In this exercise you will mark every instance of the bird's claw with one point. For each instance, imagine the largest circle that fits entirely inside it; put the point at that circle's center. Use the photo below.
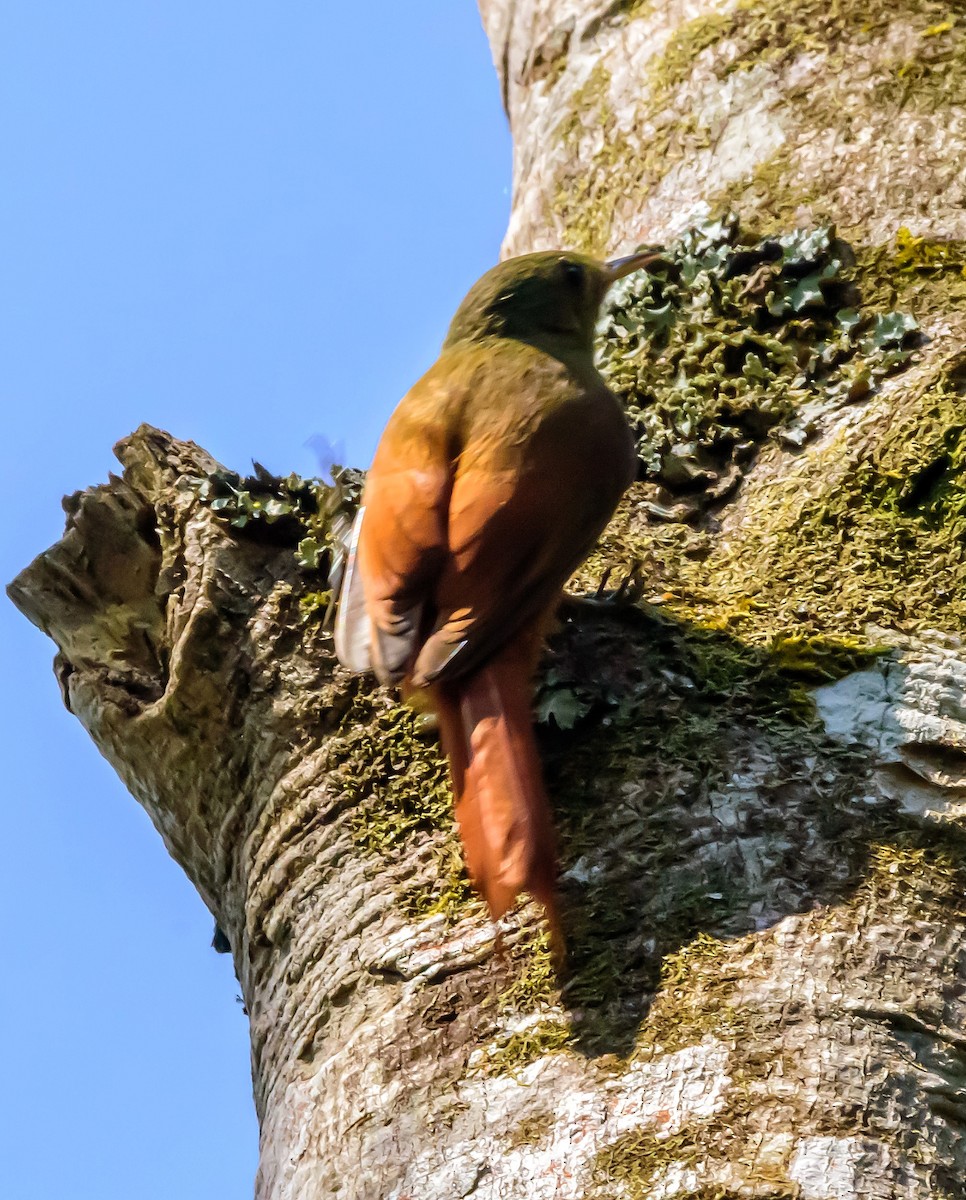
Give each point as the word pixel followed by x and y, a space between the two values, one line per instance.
pixel 629 591
pixel 631 588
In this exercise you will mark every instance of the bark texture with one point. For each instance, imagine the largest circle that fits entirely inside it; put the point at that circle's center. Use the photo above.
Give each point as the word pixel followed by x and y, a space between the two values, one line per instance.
pixel 632 117
pixel 759 768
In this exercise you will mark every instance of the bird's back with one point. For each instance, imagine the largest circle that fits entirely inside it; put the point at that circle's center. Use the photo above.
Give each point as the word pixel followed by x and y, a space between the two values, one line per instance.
pixel 546 454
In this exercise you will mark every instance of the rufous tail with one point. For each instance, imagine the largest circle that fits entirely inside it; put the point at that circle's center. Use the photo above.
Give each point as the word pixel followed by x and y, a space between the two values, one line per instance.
pixel 502 809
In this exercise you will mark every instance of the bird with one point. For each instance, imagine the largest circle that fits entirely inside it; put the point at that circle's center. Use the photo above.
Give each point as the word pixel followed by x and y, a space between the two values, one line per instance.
pixel 491 483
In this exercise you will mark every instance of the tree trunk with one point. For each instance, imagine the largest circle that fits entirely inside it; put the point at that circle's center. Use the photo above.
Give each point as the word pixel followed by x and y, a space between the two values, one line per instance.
pixel 758 765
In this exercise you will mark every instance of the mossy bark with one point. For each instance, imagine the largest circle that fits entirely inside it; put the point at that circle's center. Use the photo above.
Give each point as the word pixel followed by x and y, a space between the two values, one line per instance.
pixel 630 120
pixel 757 760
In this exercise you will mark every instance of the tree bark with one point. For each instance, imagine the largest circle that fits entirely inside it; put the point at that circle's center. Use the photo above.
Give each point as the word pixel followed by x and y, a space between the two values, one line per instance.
pixel 759 766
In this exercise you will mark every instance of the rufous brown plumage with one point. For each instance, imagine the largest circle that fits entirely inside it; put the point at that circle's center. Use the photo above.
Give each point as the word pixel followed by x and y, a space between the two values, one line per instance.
pixel 492 481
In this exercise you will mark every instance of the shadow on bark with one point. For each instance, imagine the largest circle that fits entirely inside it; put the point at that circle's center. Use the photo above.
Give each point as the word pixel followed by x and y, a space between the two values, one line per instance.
pixel 699 800
pixel 697 795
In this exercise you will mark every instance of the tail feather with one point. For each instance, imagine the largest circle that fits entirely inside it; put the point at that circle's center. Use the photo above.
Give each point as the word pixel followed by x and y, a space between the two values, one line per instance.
pixel 502 809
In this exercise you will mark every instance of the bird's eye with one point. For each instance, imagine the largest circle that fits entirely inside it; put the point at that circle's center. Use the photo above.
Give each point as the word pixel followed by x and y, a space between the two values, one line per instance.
pixel 574 274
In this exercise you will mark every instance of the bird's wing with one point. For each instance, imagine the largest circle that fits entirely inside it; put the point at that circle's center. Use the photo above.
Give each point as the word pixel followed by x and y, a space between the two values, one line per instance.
pixel 516 535
pixel 479 504
pixel 401 538
pixel 353 632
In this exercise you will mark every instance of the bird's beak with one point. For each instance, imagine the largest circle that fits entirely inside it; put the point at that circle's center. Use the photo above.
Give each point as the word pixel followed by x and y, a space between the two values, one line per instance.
pixel 617 268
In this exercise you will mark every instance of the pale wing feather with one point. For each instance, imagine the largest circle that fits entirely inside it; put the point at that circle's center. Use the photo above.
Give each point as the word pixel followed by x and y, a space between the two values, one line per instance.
pixel 353 628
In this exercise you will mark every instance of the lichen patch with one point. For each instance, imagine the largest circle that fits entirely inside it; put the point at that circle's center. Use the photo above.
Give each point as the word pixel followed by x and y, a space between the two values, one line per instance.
pixel 587 1111
pixel 826 1168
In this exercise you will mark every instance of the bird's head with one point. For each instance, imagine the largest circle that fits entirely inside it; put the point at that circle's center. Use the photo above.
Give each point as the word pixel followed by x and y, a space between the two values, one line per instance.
pixel 550 299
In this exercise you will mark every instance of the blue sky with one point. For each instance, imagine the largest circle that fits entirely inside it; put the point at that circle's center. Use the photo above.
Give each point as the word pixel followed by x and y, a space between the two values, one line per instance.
pixel 248 224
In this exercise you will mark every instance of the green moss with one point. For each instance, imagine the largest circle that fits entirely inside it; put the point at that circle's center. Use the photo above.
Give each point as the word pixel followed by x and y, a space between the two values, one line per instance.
pixel 585 199
pixel 820 658
pixel 920 254
pixel 819 555
pixel 716 1144
pixel 308 514
pixel 396 788
pixel 534 981
pixel 533 987
pixel 676 62
pixel 532 1130
pixel 694 1000
pixel 582 206
pixel 675 712
pixel 778 190
pixel 893 512
pixel 927 275
pixel 918 873
pixel 757 31
pixel 315 604
pixel 527 1046
pixel 751 34
pixel 726 340
pixel 638 1159
pixel 934 76
pixel 909 875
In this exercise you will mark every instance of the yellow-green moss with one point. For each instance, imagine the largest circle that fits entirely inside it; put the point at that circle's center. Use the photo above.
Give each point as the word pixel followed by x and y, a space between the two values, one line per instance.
pixel 821 658
pixel 396 788
pixel 912 874
pixel 881 543
pixel 587 194
pixel 534 981
pixel 527 1046
pixel 750 34
pixel 532 1130
pixel 638 1159
pixel 582 206
pixel 927 275
pixel 694 999
pixel 679 709
pixel 533 987
pixel 314 604
pixel 909 875
pixel 934 76
pixel 822 552
pixel 916 872
pixel 922 254
pixel 758 31
pixel 777 191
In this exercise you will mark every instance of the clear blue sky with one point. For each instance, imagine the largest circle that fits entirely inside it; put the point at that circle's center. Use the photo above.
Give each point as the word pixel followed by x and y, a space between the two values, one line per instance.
pixel 248 224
